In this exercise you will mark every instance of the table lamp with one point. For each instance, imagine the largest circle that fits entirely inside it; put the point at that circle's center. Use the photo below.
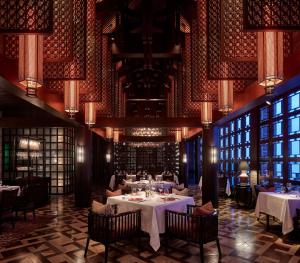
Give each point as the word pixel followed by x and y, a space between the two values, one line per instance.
pixel 243 168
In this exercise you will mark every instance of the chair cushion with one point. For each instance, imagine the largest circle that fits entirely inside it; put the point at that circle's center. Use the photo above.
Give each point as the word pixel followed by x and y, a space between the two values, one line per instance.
pixel 114 193
pixel 101 209
pixel 184 192
pixel 206 209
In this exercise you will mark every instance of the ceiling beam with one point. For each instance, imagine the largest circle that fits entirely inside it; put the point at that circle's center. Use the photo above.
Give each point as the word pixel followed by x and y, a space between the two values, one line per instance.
pixel 15 122
pixel 147 122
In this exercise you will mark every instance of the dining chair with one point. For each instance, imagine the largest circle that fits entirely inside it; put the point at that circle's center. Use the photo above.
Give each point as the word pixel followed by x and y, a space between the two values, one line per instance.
pixel 25 202
pixel 199 229
pixel 7 202
pixel 108 229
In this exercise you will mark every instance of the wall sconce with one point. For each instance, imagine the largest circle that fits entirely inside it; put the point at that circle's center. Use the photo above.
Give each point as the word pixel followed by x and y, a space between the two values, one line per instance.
pixel 80 154
pixel 213 154
pixel 108 157
pixel 184 158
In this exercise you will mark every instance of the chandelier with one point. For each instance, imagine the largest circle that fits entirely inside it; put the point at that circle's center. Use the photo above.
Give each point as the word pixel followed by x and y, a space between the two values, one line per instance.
pixel 31 63
pixel 146 132
pixel 270 59
pixel 225 96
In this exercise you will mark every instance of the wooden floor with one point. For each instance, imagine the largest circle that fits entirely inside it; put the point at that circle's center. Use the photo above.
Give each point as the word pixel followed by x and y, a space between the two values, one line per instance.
pixel 243 239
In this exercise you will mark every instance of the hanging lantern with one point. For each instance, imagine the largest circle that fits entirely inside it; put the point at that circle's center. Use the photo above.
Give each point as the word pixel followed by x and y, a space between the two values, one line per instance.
pixel 31 63
pixel 225 96
pixel 270 59
pixel 206 113
pixel 185 132
pixel 116 136
pixel 71 96
pixel 109 132
pixel 178 136
pixel 90 113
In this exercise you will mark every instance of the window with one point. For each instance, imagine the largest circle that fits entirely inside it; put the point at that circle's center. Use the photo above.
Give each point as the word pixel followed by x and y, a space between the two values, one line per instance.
pixel 277 128
pixel 278 149
pixel 264 150
pixel 294 171
pixel 294 101
pixel 277 108
pixel 264 113
pixel 264 132
pixel 294 124
pixel 277 170
pixel 294 147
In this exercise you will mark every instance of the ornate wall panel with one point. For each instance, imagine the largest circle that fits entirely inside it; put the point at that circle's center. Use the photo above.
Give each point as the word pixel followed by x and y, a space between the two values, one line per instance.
pixel 75 67
pixel 271 14
pixel 58 45
pixel 218 69
pixel 235 44
pixel 26 16
pixel 11 46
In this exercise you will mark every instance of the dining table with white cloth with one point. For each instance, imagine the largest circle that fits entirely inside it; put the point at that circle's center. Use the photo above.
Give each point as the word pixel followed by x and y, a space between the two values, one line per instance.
pixel 153 211
pixel 156 184
pixel 280 205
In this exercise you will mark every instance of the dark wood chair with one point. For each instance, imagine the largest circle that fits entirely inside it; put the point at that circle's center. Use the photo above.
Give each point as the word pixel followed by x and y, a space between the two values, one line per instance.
pixel 199 229
pixel 8 199
pixel 108 229
pixel 25 202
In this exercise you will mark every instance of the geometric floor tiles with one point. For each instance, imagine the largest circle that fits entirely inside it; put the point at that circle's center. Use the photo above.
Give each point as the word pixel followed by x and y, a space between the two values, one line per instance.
pixel 242 238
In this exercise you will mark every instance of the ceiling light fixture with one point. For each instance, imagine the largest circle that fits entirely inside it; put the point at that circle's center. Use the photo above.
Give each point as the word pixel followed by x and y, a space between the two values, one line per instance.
pixel 206 113
pixel 270 59
pixel 71 97
pixel 225 96
pixel 90 113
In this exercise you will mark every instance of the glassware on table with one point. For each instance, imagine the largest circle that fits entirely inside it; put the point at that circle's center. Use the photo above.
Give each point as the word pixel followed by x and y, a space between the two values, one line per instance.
pixel 160 188
pixel 166 191
pixel 133 191
pixel 139 187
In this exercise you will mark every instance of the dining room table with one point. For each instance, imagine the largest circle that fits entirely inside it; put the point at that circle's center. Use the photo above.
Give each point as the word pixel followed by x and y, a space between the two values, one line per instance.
pixel 280 205
pixel 152 210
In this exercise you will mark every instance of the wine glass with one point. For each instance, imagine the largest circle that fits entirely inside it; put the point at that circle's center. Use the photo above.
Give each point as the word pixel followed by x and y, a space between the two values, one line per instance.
pixel 166 191
pixel 140 187
pixel 133 191
pixel 160 189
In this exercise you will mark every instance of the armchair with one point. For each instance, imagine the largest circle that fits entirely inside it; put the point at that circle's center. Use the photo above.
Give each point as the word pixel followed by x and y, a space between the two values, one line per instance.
pixel 199 229
pixel 109 229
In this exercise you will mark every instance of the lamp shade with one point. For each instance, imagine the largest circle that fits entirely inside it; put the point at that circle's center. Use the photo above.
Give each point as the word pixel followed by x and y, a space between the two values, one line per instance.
pixel 90 113
pixel 225 96
pixel 116 136
pixel 178 136
pixel 31 62
pixel 243 166
pixel 270 59
pixel 185 132
pixel 109 132
pixel 206 113
pixel 71 97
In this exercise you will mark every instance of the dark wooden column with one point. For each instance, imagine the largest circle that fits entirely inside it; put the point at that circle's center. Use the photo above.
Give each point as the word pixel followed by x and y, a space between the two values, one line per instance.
pixel 83 177
pixel 209 180
pixel 182 166
pixel 254 139
pixel 109 165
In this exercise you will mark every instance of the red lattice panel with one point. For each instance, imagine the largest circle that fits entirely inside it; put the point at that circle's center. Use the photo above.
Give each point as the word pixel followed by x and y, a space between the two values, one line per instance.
pixel 74 68
pixel 271 14
pixel 236 45
pixel 58 45
pixel 26 16
pixel 11 46
pixel 218 69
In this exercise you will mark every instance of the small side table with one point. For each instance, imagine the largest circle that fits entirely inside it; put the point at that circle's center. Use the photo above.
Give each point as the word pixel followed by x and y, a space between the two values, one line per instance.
pixel 243 195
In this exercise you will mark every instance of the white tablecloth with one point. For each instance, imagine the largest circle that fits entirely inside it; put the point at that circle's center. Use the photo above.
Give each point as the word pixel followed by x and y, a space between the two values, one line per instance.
pixel 165 184
pixel 282 206
pixel 153 213
pixel 10 187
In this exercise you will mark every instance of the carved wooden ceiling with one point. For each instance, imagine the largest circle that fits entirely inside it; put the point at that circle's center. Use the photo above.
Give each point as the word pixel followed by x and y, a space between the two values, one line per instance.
pixel 146 58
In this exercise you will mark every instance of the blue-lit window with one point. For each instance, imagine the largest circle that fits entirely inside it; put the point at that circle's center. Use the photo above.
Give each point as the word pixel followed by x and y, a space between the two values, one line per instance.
pixel 264 114
pixel 239 153
pixel 294 101
pixel 227 167
pixel 294 147
pixel 264 132
pixel 221 155
pixel 278 149
pixel 247 152
pixel 294 171
pixel 263 168
pixel 232 140
pixel 277 128
pixel 227 154
pixel 221 132
pixel 221 143
pixel 277 170
pixel 226 130
pixel 294 124
pixel 232 126
pixel 247 137
pixel 232 166
pixel 239 138
pixel 232 153
pixel 264 150
pixel 239 123
pixel 247 121
pixel 226 141
pixel 222 167
pixel 277 108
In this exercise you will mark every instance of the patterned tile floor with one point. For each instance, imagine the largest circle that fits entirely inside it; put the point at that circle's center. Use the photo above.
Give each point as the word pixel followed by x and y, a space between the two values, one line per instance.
pixel 242 237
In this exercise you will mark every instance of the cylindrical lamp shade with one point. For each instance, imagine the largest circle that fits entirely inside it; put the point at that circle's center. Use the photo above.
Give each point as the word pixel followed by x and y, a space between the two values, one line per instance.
pixel 31 63
pixel 206 113
pixel 71 97
pixel 109 132
pixel 185 132
pixel 178 136
pixel 116 136
pixel 270 59
pixel 225 96
pixel 90 113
